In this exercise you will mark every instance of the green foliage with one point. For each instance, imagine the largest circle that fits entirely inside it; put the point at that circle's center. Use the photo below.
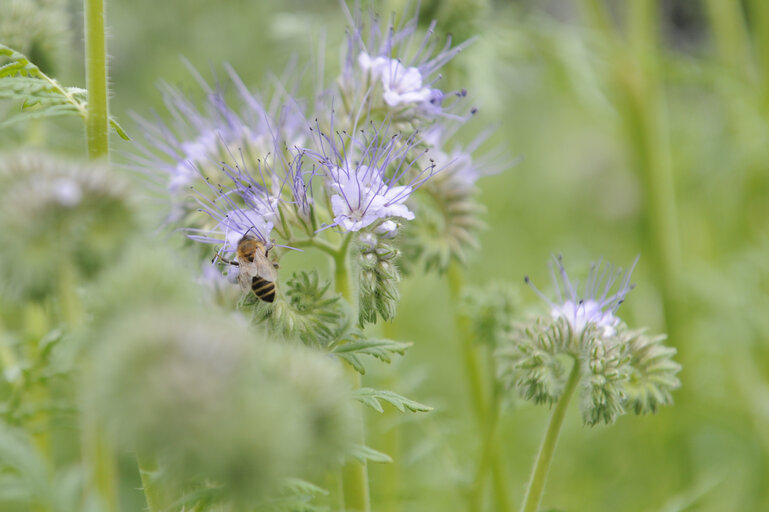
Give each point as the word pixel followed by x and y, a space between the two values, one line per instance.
pixel 366 453
pixel 38 28
pixel 42 96
pixel 355 344
pixel 374 398
pixel 63 219
pixel 310 311
pixel 214 402
pixel 488 311
pixel 294 495
pixel 28 483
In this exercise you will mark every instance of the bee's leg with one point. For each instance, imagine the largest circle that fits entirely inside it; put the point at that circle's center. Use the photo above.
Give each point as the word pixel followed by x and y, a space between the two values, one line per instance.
pixel 222 258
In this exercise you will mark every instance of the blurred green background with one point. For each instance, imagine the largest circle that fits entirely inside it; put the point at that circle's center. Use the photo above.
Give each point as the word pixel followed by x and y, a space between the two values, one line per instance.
pixel 644 129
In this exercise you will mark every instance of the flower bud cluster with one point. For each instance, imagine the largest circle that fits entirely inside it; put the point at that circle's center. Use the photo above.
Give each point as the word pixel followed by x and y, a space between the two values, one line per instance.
pixel 57 217
pixel 214 401
pixel 309 312
pixel 378 293
pixel 488 311
pixel 620 369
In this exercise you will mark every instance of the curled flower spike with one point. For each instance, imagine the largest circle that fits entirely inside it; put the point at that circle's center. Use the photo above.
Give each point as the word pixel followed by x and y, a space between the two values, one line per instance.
pixel 614 363
pixel 449 210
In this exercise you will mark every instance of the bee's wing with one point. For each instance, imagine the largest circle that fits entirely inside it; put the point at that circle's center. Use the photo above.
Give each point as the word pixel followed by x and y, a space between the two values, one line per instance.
pixel 246 272
pixel 265 269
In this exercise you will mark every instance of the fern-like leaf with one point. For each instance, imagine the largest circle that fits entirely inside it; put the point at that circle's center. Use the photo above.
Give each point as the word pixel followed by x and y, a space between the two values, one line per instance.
pixel 374 398
pixel 354 345
pixel 366 453
pixel 41 95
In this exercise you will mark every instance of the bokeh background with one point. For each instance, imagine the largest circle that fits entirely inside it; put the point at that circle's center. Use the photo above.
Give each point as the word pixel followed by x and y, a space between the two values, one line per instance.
pixel 643 128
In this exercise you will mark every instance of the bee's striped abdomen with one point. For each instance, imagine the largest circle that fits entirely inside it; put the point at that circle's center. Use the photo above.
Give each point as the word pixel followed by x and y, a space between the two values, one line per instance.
pixel 263 288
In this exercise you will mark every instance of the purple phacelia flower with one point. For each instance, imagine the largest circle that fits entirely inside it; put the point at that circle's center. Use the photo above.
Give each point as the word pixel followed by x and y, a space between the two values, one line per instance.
pixel 194 144
pixel 368 178
pixel 405 64
pixel 362 197
pixel 596 305
pixel 401 85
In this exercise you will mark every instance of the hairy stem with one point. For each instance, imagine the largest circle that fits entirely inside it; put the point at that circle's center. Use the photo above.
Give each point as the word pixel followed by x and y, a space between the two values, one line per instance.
pixel 97 117
pixel 148 469
pixel 102 467
pixel 536 485
pixel 355 486
pixel 483 408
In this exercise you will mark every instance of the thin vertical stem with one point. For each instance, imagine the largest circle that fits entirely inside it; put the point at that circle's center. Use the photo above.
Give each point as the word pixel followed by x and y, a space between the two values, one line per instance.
pixel 645 113
pixel 148 469
pixel 390 484
pixel 355 485
pixel 542 464
pixel 102 467
pixel 484 408
pixel 727 22
pixel 97 116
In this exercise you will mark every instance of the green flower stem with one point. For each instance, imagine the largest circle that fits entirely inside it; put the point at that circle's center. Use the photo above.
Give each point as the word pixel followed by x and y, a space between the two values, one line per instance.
pixel 730 32
pixel 97 117
pixel 355 486
pixel 638 96
pixel 390 484
pixel 542 464
pixel 69 302
pixel 318 244
pixel 102 467
pixel 148 470
pixel 483 408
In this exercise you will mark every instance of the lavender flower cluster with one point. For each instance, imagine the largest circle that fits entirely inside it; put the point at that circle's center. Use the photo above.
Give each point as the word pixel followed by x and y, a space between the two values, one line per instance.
pixel 359 159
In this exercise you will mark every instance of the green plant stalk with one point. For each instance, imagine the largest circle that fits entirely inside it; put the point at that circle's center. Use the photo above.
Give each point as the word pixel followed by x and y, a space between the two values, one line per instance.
pixel 391 443
pixel 638 97
pixel 482 407
pixel 97 116
pixel 355 485
pixel 645 113
pixel 730 33
pixel 102 467
pixel 148 469
pixel 536 486
pixel 759 10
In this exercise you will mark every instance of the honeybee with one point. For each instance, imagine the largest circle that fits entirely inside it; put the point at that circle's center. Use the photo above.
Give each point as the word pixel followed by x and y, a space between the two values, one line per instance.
pixel 255 271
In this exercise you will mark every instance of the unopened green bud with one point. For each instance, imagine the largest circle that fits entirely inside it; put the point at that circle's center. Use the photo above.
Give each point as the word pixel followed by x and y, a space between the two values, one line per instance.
pixel 489 311
pixel 604 383
pixel 311 312
pixel 378 278
pixel 211 401
pixel 59 215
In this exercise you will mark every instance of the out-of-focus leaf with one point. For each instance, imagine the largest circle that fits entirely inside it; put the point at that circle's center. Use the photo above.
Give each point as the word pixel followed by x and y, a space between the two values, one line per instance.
pixel 364 453
pixel 373 398
pixel 42 96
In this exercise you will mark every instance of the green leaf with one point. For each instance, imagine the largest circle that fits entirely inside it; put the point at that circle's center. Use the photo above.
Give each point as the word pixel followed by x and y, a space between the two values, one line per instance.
pixel 373 398
pixel 364 453
pixel 350 349
pixel 41 95
pixel 299 486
